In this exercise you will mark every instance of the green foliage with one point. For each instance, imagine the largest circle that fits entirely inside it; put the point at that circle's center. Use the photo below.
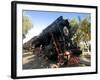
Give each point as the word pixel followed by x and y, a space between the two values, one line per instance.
pixel 26 25
pixel 86 29
pixel 74 26
pixel 74 22
pixel 83 32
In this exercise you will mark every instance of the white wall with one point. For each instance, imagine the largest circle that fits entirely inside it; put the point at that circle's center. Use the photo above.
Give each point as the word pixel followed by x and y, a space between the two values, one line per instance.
pixel 5 40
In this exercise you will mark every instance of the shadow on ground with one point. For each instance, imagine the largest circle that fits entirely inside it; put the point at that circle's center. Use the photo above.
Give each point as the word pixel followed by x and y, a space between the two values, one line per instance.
pixel 32 61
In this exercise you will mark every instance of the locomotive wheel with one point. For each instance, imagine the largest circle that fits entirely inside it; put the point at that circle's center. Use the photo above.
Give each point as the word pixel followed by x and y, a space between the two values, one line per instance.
pixel 54 66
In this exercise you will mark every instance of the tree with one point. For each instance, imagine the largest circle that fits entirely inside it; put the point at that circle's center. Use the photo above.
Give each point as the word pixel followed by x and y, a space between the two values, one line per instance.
pixel 74 26
pixel 26 25
pixel 83 33
pixel 74 22
pixel 86 29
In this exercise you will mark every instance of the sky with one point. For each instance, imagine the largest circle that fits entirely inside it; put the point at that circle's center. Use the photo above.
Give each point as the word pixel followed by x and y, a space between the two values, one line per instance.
pixel 42 19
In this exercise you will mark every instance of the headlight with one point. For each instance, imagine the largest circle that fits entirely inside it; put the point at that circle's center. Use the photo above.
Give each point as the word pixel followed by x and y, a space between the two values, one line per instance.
pixel 66 31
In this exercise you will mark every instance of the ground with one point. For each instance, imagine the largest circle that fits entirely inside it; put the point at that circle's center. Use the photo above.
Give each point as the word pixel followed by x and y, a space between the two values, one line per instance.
pixel 32 61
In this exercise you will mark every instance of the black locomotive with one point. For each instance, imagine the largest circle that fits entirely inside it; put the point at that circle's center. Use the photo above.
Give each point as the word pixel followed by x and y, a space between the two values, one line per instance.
pixel 56 41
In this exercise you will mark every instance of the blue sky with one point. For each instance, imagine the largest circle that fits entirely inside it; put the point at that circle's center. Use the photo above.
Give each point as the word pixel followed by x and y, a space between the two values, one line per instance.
pixel 41 19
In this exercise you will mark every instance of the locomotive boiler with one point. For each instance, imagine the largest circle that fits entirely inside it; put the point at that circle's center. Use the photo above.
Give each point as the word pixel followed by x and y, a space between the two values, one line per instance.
pixel 55 41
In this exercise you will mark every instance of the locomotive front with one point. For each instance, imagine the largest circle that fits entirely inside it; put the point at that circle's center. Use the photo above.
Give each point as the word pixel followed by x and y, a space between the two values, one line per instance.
pixel 55 42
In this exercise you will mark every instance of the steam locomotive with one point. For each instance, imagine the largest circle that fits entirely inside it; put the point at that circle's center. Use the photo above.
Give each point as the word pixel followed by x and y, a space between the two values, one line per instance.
pixel 56 42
